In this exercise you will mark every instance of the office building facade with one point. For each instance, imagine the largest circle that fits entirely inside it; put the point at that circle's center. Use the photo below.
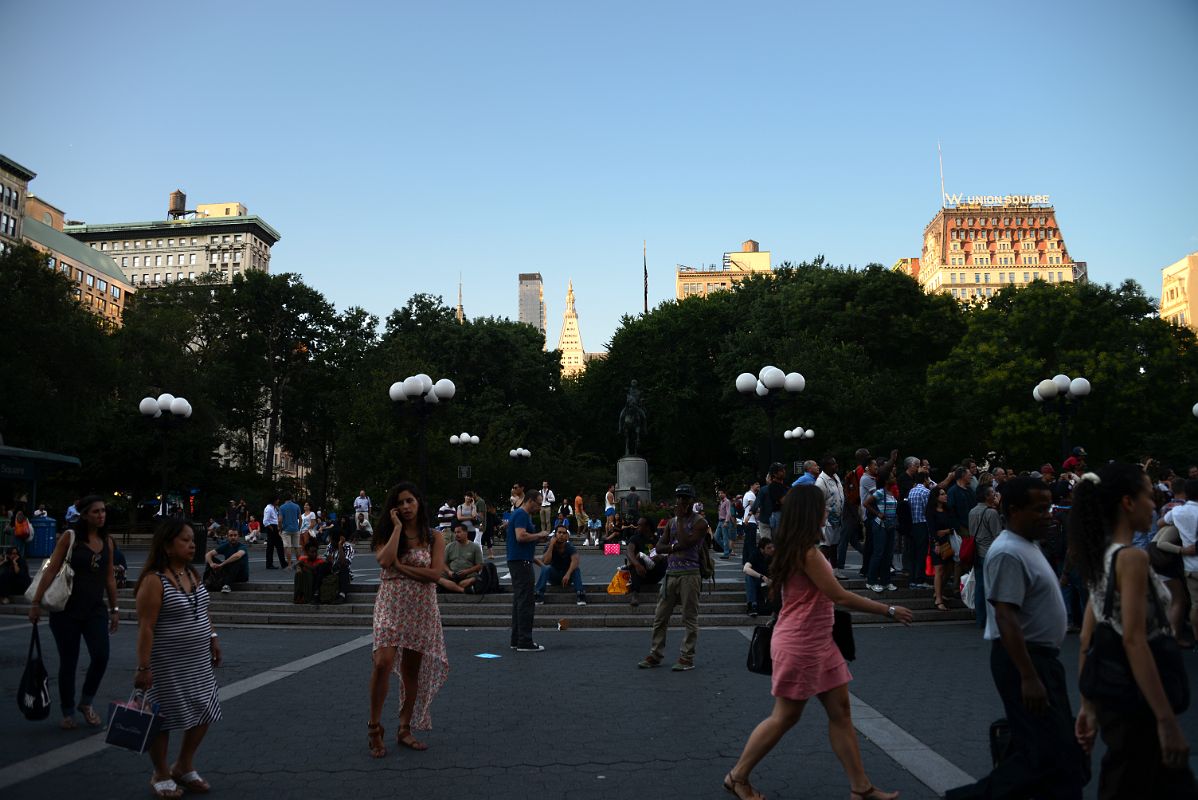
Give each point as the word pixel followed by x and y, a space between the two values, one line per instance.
pixel 1177 304
pixel 221 239
pixel 736 267
pixel 977 245
pixel 531 300
pixel 14 188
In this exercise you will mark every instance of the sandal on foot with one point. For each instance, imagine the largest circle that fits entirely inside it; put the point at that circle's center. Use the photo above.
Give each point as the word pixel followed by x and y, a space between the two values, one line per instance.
pixel 68 724
pixel 191 781
pixel 405 739
pixel 731 784
pixel 90 716
pixel 873 793
pixel 374 739
pixel 165 788
pixel 941 606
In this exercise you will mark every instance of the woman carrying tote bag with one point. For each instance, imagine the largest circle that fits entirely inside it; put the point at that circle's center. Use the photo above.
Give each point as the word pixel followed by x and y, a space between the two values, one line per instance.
pixel 1147 751
pixel 87 616
pixel 806 661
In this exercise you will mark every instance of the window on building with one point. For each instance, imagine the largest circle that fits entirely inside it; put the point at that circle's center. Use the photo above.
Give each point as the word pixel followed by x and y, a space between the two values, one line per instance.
pixel 191 259
pixel 160 243
pixel 103 245
pixel 158 261
pixel 977 277
pixel 1027 277
pixel 145 278
pixel 91 281
pixel 952 278
pixel 954 292
pixel 237 259
pixel 170 260
pixel 101 285
pixel 157 277
pixel 191 276
pixel 166 277
pixel 116 292
pixel 225 256
pixel 214 239
pixel 170 242
pixel 226 239
pixel 215 257
pixel 66 269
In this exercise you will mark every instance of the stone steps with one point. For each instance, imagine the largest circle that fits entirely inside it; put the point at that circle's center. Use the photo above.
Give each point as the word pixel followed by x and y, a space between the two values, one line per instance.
pixel 271 604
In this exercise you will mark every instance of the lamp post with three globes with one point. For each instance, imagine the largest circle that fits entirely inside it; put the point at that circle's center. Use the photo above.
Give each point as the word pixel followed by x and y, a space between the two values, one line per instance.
pixel 165 410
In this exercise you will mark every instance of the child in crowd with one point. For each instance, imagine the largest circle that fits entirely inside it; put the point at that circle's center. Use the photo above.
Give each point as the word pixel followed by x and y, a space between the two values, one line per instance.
pixel 310 569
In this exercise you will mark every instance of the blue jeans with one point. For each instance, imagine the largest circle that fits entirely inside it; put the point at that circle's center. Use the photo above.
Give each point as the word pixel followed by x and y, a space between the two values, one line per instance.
pixel 551 574
pixel 881 560
pixel 1074 591
pixel 725 535
pixel 68 631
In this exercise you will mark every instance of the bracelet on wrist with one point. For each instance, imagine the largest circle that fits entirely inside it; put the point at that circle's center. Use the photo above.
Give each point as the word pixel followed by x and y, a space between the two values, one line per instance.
pixel 214 635
pixel 114 610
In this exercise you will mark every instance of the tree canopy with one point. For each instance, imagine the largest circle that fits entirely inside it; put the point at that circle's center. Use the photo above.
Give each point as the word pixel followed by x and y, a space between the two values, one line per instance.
pixel 267 359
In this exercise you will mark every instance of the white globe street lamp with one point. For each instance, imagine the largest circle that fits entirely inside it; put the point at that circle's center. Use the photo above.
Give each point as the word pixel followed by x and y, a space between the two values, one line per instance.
pixel 770 384
pixel 1063 395
pixel 424 393
pixel 167 409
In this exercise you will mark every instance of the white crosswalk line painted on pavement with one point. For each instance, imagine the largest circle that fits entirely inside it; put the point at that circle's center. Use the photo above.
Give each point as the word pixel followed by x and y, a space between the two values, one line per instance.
pixel 929 767
pixel 67 754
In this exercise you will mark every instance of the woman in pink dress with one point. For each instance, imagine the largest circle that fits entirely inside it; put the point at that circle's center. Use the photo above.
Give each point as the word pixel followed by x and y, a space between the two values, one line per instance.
pixel 406 620
pixel 807 662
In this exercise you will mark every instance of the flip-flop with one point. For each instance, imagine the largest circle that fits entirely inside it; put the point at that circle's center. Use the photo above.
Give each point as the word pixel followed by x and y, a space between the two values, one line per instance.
pixel 90 716
pixel 166 788
pixel 192 782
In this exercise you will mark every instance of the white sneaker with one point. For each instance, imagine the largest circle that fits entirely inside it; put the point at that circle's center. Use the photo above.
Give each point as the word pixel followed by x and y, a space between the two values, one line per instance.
pixel 890 587
pixel 225 589
pixel 877 588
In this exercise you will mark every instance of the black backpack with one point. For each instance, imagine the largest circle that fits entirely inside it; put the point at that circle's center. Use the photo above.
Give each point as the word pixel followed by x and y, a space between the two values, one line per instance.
pixel 488 581
pixel 33 692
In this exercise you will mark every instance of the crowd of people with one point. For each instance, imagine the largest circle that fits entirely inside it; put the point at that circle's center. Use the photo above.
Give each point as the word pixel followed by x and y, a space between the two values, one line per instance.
pixel 1108 553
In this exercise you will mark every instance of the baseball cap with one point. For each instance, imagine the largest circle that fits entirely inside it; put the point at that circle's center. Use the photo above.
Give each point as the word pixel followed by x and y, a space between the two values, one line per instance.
pixel 1080 452
pixel 684 490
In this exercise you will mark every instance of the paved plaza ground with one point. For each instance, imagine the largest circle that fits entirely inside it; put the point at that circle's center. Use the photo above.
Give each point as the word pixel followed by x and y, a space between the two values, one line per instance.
pixel 576 721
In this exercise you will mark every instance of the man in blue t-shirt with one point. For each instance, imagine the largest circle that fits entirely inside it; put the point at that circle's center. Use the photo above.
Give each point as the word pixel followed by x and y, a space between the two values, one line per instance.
pixel 559 563
pixel 522 540
pixel 289 523
pixel 230 560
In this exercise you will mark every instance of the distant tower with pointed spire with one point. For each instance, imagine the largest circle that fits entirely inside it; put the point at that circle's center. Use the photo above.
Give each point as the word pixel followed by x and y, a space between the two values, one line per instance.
pixel 460 315
pixel 569 344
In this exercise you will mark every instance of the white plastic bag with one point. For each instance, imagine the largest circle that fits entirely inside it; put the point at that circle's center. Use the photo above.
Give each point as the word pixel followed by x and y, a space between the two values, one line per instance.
pixel 967 589
pixel 955 540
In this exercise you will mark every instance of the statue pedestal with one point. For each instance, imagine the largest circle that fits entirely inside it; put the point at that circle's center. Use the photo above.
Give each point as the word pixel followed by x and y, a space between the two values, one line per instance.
pixel 633 471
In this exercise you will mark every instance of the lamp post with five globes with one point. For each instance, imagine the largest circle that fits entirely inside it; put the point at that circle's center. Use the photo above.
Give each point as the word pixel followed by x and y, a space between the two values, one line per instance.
pixel 1063 395
pixel 166 409
pixel 769 386
pixel 423 393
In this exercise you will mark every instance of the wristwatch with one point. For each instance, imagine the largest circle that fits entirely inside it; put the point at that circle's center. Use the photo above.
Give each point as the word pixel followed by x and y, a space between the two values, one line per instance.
pixel 890 612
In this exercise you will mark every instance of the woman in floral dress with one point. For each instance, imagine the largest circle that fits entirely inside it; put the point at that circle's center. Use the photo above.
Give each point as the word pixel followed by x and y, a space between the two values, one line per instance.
pixel 407 625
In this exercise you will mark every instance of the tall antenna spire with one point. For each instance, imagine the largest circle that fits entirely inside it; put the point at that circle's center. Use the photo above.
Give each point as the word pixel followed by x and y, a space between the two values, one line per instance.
pixel 645 258
pixel 940 158
pixel 460 315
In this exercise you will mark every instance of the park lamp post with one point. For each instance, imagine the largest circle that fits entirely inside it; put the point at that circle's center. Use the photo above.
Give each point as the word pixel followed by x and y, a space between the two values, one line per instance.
pixel 769 386
pixel 1195 409
pixel 166 410
pixel 798 434
pixel 462 441
pixel 1063 395
pixel 422 393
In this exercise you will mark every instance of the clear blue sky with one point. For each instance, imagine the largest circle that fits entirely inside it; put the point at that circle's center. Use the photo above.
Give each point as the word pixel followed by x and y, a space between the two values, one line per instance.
pixel 396 144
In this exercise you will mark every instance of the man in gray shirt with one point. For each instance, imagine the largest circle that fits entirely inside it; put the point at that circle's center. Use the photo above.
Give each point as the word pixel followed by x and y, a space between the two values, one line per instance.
pixel 984 526
pixel 1025 623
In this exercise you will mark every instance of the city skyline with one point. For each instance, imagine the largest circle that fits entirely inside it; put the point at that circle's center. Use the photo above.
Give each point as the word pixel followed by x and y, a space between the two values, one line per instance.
pixel 392 163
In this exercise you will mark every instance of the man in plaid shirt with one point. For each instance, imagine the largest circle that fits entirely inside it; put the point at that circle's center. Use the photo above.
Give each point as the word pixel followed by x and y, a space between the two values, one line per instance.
pixel 917 501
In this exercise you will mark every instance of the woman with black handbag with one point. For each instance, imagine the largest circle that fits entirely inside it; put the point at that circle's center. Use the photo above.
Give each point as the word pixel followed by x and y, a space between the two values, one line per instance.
pixel 86 617
pixel 1133 682
pixel 806 661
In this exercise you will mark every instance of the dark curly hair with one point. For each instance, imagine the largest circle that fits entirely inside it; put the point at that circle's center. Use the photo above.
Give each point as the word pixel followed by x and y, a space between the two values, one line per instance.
pixel 1095 511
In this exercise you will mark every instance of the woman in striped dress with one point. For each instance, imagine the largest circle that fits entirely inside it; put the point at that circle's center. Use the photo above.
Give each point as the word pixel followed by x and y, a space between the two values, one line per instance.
pixel 176 652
